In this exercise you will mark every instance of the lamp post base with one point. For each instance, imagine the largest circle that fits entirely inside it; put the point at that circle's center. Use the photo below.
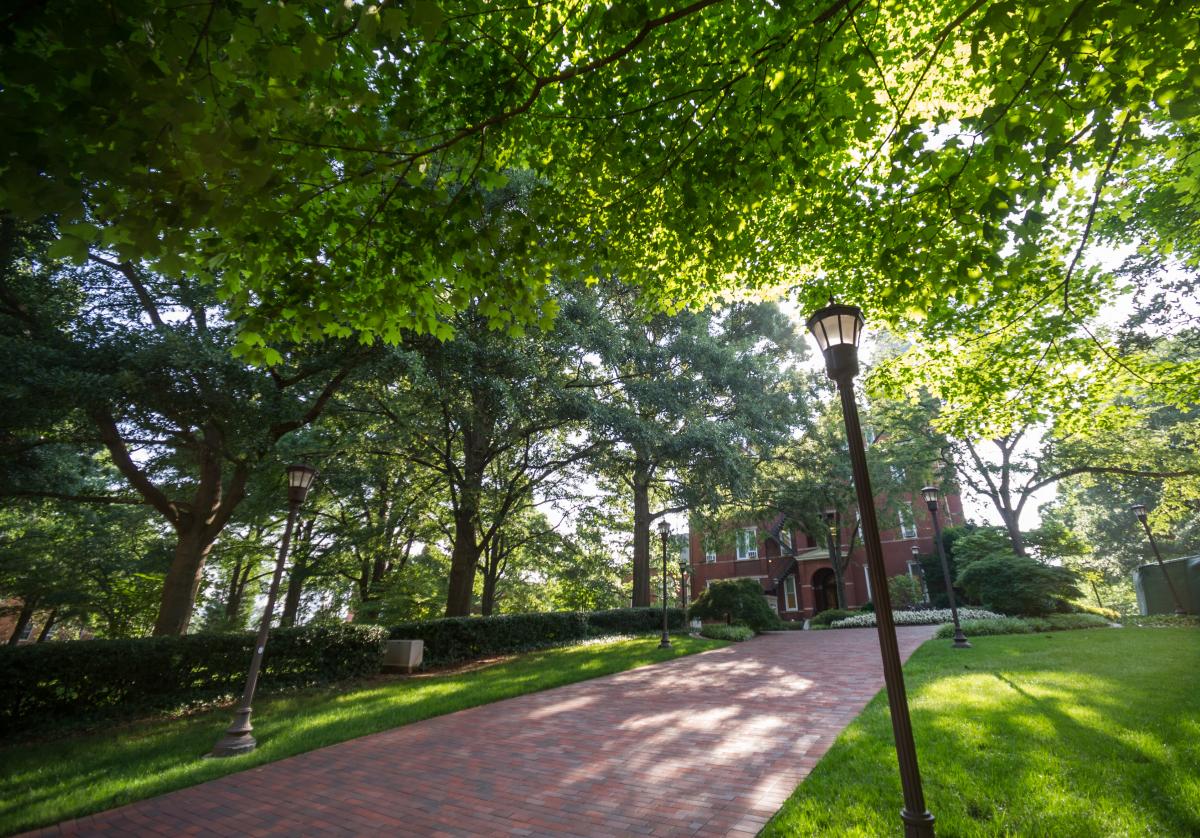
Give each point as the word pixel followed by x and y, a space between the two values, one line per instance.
pixel 960 640
pixel 917 826
pixel 665 643
pixel 232 745
pixel 237 739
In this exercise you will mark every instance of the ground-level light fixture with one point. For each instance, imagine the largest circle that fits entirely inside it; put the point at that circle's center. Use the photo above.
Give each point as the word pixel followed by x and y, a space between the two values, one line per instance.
pixel 238 738
pixel 664 530
pixel 930 493
pixel 837 329
pixel 1139 510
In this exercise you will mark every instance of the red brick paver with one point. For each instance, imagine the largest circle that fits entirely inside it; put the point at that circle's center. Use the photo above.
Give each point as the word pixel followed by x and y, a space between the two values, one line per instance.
pixel 710 744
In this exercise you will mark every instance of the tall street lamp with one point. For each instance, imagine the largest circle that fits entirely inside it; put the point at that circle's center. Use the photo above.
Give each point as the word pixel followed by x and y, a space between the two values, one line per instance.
pixel 829 516
pixel 930 493
pixel 237 739
pixel 684 567
pixel 837 329
pixel 664 529
pixel 1139 509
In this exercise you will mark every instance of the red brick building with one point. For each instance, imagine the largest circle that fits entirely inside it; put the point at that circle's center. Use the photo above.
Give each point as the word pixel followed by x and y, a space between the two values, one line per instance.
pixel 794 568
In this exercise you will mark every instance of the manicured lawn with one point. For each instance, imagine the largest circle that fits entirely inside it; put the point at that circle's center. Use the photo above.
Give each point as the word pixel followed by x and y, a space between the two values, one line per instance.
pixel 49 781
pixel 1082 733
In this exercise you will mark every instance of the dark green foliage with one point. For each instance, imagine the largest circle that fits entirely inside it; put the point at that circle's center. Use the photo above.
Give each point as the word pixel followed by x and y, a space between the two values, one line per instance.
pixel 735 601
pixel 1017 585
pixel 452 639
pixel 828 616
pixel 49 682
pixel 735 633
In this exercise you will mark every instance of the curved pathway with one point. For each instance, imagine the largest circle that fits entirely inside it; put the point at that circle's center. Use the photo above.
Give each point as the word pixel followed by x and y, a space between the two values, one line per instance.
pixel 710 744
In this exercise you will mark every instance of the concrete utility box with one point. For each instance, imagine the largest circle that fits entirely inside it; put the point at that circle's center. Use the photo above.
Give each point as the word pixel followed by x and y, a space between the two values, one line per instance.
pixel 403 655
pixel 1153 594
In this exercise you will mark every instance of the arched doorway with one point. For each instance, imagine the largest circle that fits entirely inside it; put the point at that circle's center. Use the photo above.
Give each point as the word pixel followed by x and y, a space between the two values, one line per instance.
pixel 824 586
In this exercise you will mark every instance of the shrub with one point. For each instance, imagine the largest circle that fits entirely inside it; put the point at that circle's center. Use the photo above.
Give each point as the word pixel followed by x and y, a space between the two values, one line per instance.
pixel 735 601
pixel 1025 625
pixel 904 591
pixel 828 616
pixel 1017 584
pixel 454 639
pixel 47 682
pixel 1107 613
pixel 928 617
pixel 1160 620
pixel 722 632
pixel 982 628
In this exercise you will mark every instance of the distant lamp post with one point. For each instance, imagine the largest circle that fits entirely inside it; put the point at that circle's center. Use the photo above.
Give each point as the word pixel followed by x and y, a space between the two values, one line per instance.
pixel 837 329
pixel 684 567
pixel 1139 509
pixel 237 739
pixel 930 493
pixel 664 529
pixel 833 539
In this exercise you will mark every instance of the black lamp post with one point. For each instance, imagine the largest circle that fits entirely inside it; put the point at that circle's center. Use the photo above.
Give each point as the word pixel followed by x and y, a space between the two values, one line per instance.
pixel 237 739
pixel 833 538
pixel 684 567
pixel 1139 509
pixel 664 529
pixel 930 493
pixel 837 329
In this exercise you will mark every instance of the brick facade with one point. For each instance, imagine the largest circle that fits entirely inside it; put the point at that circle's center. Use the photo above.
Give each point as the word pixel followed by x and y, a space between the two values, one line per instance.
pixel 766 556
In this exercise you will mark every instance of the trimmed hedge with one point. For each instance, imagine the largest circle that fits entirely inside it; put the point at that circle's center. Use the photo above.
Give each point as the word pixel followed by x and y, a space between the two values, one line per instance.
pixel 1160 620
pixel 829 615
pixel 718 631
pixel 1025 625
pixel 455 639
pixel 43 683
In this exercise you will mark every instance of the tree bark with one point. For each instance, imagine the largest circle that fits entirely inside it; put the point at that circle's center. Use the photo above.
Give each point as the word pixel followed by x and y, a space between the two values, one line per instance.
pixel 295 589
pixel 641 534
pixel 23 618
pixel 183 581
pixel 1011 519
pixel 465 556
pixel 487 602
pixel 44 634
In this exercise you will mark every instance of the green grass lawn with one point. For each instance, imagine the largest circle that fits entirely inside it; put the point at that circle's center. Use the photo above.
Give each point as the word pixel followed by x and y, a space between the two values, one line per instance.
pixel 1083 733
pixel 49 781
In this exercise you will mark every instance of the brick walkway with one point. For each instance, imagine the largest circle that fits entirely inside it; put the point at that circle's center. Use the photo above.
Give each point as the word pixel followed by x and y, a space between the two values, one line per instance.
pixel 710 744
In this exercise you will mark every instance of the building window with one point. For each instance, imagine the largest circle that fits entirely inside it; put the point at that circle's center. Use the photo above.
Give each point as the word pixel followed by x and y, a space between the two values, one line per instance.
pixel 747 544
pixel 867 577
pixel 858 525
pixel 789 593
pixel 710 553
pixel 785 538
pixel 26 632
pixel 908 526
pixel 685 553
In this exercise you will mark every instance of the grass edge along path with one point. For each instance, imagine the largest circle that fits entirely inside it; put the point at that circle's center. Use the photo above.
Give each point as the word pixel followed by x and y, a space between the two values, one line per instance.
pixel 46 782
pixel 1086 733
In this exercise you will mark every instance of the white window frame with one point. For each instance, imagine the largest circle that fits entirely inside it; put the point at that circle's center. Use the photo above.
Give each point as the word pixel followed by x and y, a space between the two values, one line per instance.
pixel 790 601
pixel 785 538
pixel 867 577
pixel 750 542
pixel 710 555
pixel 908 523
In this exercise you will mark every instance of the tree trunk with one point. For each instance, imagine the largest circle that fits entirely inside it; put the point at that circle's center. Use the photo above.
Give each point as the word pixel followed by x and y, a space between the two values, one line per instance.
pixel 463 559
pixel 1014 531
pixel 182 582
pixel 641 534
pixel 27 608
pixel 295 588
pixel 44 635
pixel 487 602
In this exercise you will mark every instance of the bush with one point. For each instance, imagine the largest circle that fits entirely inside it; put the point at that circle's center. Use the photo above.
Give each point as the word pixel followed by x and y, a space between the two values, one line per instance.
pixel 1016 625
pixel 1160 620
pixel 1017 585
pixel 1107 613
pixel 982 628
pixel 829 615
pixel 928 617
pixel 904 591
pixel 43 683
pixel 454 639
pixel 721 632
pixel 736 601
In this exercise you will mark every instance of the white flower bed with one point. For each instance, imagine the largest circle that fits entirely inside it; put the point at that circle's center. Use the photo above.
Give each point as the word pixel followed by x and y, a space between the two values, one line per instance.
pixel 917 618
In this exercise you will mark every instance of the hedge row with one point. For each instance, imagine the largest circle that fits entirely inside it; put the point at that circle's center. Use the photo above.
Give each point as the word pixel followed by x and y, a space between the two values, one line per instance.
pixel 46 682
pixel 454 639
pixel 719 631
pixel 1025 625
